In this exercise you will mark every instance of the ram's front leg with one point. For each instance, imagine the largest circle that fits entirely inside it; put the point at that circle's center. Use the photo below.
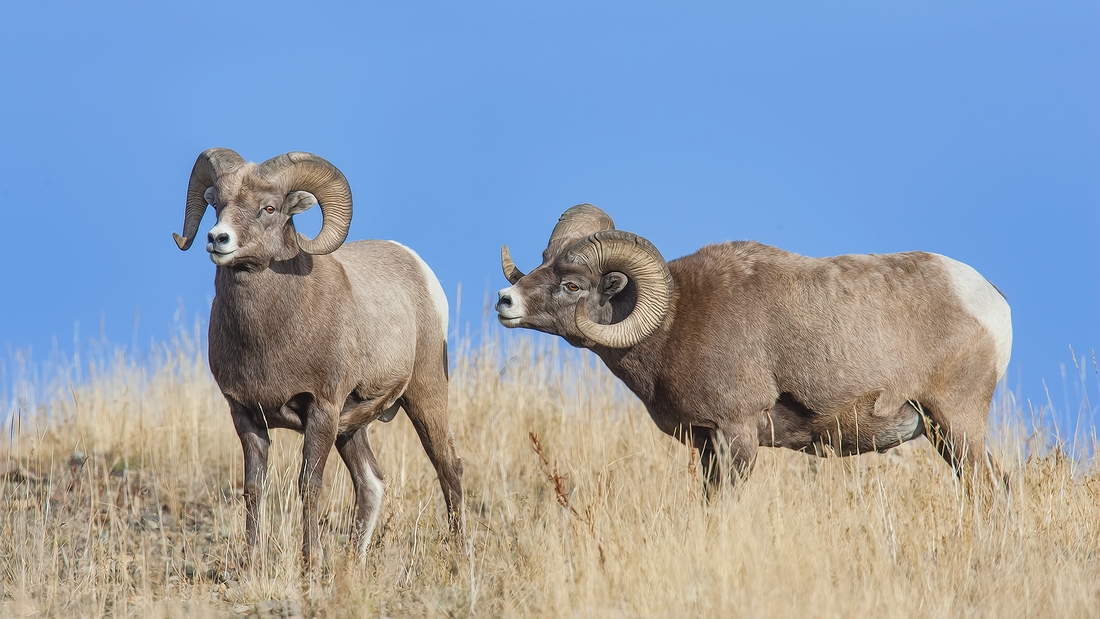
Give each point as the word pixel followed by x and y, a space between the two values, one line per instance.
pixel 320 430
pixel 703 440
pixel 727 454
pixel 254 443
pixel 737 444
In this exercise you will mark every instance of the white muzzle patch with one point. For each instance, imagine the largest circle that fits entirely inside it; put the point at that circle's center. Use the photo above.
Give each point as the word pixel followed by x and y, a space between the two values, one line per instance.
pixel 221 243
pixel 509 307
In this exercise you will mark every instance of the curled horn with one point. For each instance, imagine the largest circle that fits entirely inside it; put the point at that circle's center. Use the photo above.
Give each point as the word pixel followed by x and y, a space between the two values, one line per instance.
pixel 298 171
pixel 211 163
pixel 639 260
pixel 510 271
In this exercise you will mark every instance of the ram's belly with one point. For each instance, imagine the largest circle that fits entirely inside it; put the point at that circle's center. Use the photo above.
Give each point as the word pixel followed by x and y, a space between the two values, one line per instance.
pixel 289 403
pixel 858 429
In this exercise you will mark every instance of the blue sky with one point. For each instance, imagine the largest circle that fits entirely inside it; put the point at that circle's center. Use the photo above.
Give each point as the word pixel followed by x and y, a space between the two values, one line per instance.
pixel 969 129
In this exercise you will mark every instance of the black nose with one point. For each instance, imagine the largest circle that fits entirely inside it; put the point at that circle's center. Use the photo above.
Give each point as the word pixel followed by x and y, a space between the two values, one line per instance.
pixel 505 300
pixel 221 239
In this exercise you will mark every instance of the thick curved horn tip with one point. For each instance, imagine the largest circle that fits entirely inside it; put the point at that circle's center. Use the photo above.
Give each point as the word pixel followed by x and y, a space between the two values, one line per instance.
pixel 182 242
pixel 314 247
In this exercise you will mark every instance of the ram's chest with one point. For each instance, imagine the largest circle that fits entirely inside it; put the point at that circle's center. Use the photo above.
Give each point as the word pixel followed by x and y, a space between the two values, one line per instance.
pixel 268 367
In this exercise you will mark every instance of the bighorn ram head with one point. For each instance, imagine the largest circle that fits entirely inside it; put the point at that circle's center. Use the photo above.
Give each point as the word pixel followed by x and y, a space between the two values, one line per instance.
pixel 595 284
pixel 256 203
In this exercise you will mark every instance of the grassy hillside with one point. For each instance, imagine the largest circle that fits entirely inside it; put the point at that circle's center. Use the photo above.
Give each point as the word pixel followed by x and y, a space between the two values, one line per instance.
pixel 121 496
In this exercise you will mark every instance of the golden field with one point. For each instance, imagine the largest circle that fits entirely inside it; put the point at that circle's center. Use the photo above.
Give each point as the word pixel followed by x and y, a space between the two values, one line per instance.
pixel 122 497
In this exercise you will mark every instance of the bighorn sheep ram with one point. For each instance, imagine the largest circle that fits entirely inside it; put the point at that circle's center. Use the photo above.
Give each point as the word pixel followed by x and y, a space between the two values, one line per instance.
pixel 742 345
pixel 317 336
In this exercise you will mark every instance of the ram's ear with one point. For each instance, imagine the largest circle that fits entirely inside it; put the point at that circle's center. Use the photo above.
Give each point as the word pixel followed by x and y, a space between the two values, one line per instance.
pixel 211 195
pixel 611 284
pixel 299 202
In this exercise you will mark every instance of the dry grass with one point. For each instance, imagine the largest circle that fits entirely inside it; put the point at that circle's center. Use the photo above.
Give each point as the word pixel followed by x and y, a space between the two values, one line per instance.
pixel 577 506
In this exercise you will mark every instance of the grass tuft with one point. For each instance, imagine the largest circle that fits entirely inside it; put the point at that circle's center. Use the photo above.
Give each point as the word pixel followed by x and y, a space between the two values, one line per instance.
pixel 120 495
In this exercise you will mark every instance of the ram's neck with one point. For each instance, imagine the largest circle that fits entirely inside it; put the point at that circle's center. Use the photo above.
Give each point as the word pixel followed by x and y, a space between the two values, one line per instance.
pixel 642 366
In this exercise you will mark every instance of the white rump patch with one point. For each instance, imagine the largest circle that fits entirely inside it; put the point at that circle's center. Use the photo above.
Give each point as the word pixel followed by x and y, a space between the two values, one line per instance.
pixel 985 303
pixel 439 299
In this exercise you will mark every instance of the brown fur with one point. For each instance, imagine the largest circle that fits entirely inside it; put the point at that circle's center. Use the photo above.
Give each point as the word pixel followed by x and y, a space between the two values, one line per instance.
pixel 324 345
pixel 762 347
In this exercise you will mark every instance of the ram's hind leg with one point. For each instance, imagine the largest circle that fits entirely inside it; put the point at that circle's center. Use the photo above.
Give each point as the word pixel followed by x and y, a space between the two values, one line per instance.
pixel 356 452
pixel 426 406
pixel 957 428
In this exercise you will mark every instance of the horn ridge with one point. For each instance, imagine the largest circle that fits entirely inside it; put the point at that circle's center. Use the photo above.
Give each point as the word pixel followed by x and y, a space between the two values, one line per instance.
pixel 578 222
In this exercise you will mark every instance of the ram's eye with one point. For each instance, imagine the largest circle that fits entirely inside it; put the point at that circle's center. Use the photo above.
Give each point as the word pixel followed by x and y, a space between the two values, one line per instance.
pixel 269 209
pixel 571 287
